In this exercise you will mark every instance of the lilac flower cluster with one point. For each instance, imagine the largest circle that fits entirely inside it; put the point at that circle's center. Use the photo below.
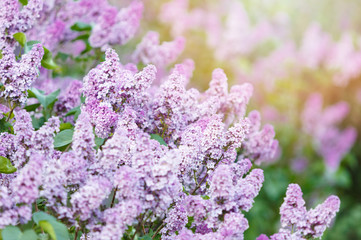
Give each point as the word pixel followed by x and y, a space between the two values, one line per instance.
pixel 17 18
pixel 331 142
pixel 146 178
pixel 50 21
pixel 17 76
pixel 298 223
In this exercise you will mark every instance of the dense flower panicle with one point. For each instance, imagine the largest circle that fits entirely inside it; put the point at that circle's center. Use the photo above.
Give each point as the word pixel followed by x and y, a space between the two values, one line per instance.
pixel 260 144
pixel 221 184
pixel 17 77
pixel 54 180
pixel 335 143
pixel 89 197
pixel 241 167
pixel 110 87
pixel 120 148
pixel 237 133
pixel 186 69
pixel 70 98
pixel 23 128
pixel 233 226
pixel 292 210
pixel 331 142
pixel 127 182
pixel 28 15
pixel 83 137
pixel 176 219
pixel 14 18
pixel 319 218
pixel 305 224
pixel 43 139
pixel 74 168
pixel 249 188
pixel 102 116
pixel 151 51
pixel 8 144
pixel 117 28
pixel 25 187
pixel 169 107
pixel 315 43
pixel 118 218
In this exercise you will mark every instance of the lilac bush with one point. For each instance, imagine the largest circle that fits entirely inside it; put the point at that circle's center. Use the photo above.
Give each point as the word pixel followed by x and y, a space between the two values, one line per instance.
pixel 126 153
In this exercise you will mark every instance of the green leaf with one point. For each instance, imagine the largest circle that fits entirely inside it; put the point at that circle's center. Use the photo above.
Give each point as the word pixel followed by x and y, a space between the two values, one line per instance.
pixel 63 138
pixel 80 26
pixel 37 122
pixel 146 237
pixel 62 56
pixel 32 107
pixel 45 100
pixel 6 166
pixel 11 233
pixel 47 61
pixel 66 125
pixel 29 235
pixel 98 142
pixel 205 197
pixel 158 138
pixel 55 229
pixel 74 111
pixel 83 37
pixel 29 45
pixel 1 54
pixel 24 2
pixel 20 38
pixel 4 125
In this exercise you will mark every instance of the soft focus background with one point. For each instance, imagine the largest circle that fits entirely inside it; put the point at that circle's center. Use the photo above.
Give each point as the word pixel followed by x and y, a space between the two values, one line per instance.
pixel 303 58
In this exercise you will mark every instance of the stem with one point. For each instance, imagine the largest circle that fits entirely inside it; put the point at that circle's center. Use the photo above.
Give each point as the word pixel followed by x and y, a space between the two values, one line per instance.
pixel 195 177
pixel 158 229
pixel 200 183
pixel 204 178
pixel 142 223
pixel 67 148
pixel 115 192
pixel 135 234
pixel 76 234
pixel 11 111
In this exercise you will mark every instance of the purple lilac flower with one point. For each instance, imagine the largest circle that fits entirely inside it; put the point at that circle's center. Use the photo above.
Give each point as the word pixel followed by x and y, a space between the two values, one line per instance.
pixel 83 138
pixel 17 77
pixel 70 98
pixel 118 218
pixel 43 139
pixel 89 197
pixel 176 219
pixel 331 142
pixel 248 188
pixel 23 127
pixel 260 144
pixel 25 187
pixel 293 209
pixel 305 224
pixel 151 51
pixel 116 27
pixel 15 19
pixel 75 168
pixel 319 218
